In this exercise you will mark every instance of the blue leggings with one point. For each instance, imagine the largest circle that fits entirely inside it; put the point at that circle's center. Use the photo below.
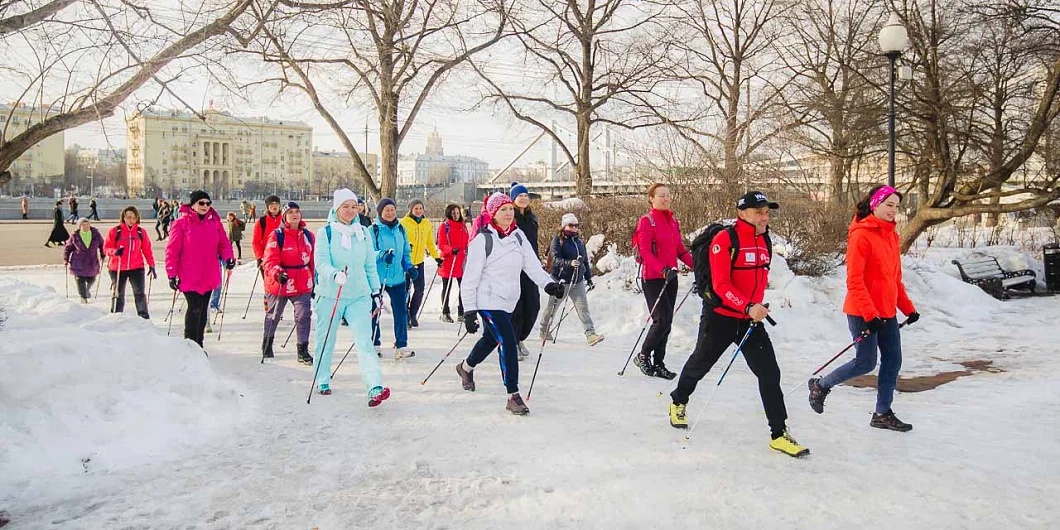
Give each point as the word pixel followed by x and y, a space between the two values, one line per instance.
pixel 889 343
pixel 498 330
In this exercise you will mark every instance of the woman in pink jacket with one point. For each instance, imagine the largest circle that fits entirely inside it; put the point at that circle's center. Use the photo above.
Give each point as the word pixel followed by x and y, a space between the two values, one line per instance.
pixel 128 247
pixel 196 241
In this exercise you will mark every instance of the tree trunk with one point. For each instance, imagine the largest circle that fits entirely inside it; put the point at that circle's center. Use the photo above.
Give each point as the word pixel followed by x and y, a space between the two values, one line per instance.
pixel 583 187
pixel 388 145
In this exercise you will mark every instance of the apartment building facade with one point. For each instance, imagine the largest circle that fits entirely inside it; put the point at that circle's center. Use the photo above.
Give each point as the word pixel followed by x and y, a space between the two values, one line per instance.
pixel 43 166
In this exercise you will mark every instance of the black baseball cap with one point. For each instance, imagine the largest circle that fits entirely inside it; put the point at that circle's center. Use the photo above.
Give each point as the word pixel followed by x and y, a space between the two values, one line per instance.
pixel 755 199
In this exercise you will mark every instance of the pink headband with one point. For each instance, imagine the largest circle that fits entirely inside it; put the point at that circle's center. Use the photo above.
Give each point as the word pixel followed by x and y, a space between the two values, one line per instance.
pixel 880 196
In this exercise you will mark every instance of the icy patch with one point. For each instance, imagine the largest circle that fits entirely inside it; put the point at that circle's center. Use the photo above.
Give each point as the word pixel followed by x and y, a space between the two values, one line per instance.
pixel 84 391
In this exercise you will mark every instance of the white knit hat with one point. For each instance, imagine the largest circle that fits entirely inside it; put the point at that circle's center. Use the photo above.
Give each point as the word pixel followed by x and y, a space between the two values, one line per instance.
pixel 341 196
pixel 568 219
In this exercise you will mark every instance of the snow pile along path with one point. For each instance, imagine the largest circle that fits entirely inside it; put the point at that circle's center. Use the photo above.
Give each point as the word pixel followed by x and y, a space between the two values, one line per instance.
pixel 83 390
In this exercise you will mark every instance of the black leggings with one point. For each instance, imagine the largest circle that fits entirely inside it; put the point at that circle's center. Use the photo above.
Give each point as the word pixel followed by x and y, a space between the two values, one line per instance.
pixel 662 319
pixel 84 286
pixel 446 294
pixel 526 309
pixel 118 280
pixel 196 315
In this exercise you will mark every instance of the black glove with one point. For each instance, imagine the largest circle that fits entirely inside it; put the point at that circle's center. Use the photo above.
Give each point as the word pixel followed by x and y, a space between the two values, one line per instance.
pixel 874 325
pixel 230 263
pixel 590 285
pixel 282 277
pixel 456 251
pixel 912 318
pixel 471 322
pixel 670 274
pixel 413 273
pixel 174 283
pixel 260 265
pixel 120 251
pixel 388 257
pixel 554 289
pixel 152 273
pixel 439 261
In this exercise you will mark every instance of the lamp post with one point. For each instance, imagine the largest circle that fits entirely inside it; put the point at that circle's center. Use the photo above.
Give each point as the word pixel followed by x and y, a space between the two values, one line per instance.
pixel 893 39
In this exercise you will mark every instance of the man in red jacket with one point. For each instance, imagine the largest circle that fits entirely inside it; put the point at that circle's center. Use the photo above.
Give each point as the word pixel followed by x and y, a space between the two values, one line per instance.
pixel 266 225
pixel 288 268
pixel 739 278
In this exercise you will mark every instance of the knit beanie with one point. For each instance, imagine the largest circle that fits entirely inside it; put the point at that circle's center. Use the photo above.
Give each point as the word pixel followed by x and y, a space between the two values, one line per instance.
pixel 495 202
pixel 289 206
pixel 414 202
pixel 272 199
pixel 197 196
pixel 568 219
pixel 517 190
pixel 340 196
pixel 386 201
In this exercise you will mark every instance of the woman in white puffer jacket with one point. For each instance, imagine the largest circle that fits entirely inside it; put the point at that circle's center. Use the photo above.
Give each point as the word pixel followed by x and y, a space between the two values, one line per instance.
pixel 498 253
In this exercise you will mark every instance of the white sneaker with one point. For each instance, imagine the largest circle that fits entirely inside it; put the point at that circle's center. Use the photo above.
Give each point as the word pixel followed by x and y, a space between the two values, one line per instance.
pixel 208 328
pixel 403 353
pixel 523 352
pixel 593 339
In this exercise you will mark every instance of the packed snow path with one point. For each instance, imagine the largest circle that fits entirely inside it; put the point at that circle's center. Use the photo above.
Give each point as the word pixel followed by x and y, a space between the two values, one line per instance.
pixel 596 450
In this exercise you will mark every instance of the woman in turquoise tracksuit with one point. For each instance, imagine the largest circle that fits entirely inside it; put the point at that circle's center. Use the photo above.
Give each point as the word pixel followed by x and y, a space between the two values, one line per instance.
pixel 394 263
pixel 345 258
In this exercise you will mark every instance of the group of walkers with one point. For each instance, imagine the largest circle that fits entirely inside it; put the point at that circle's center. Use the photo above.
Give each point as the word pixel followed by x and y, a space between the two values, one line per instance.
pixel 346 267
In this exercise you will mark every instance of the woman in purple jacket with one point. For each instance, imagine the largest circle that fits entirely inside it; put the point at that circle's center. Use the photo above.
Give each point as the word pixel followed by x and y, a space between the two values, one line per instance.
pixel 82 257
pixel 196 242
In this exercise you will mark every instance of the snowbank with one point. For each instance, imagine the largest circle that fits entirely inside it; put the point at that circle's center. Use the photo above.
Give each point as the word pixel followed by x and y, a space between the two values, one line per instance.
pixel 83 390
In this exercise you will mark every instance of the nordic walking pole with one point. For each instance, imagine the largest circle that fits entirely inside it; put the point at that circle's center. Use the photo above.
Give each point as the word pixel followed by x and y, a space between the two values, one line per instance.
pixel 224 301
pixel 428 293
pixel 170 315
pixel 446 356
pixel 645 328
pixel 102 265
pixel 67 275
pixel 252 288
pixel 150 285
pixel 117 281
pixel 289 335
pixel 449 286
pixel 544 340
pixel 720 379
pixel 374 314
pixel 690 289
pixel 331 321
pixel 836 356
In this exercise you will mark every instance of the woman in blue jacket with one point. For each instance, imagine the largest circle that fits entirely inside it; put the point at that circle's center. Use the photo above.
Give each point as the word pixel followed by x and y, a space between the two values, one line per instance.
pixel 394 264
pixel 570 264
pixel 345 258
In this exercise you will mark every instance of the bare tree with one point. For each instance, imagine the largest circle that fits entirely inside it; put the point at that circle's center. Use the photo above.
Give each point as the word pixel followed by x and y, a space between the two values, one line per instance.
pixel 590 63
pixel 977 119
pixel 78 62
pixel 395 52
pixel 833 98
pixel 734 83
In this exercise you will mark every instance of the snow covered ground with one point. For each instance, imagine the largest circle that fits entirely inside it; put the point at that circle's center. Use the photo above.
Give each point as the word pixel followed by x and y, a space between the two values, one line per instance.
pixel 178 441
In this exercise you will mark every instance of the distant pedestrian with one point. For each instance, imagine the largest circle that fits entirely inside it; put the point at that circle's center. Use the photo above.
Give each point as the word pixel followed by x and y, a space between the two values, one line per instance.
pixel 198 241
pixel 362 213
pixel 59 234
pixel 243 209
pixel 73 217
pixel 235 233
pixel 82 257
pixel 92 213
pixel 165 216
pixel 25 208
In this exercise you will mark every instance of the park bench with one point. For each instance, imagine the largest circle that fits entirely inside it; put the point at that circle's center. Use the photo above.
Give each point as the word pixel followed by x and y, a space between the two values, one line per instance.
pixel 987 273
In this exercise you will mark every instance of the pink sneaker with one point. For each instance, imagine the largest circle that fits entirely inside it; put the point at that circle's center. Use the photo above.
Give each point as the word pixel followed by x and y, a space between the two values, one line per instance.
pixel 379 398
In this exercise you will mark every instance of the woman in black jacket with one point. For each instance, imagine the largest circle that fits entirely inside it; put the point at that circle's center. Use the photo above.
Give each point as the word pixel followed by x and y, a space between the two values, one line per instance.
pixel 570 264
pixel 529 304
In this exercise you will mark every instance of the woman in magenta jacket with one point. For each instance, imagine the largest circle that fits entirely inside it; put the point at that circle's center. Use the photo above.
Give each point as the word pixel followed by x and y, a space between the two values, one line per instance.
pixel 659 245
pixel 196 242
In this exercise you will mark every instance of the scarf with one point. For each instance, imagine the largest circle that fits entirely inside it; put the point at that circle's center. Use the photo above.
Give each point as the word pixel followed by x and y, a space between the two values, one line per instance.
pixel 502 232
pixel 347 231
pixel 86 237
pixel 417 219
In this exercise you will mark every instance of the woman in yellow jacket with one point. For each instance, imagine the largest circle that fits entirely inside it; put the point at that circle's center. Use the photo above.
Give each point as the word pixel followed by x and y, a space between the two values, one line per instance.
pixel 421 237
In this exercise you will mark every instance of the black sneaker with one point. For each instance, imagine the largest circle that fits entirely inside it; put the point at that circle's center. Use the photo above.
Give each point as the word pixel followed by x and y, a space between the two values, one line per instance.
pixel 644 363
pixel 266 348
pixel 516 405
pixel 467 379
pixel 662 372
pixel 446 318
pixel 817 394
pixel 889 421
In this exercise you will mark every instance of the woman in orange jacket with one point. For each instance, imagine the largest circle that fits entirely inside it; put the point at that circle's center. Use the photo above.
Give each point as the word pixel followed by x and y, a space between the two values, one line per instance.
pixel 875 294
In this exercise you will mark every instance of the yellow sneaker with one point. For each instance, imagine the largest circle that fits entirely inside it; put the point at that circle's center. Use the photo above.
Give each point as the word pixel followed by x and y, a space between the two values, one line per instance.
pixel 677 416
pixel 787 445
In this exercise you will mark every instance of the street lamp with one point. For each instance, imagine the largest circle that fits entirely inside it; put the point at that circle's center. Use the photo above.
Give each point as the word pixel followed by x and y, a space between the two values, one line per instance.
pixel 893 39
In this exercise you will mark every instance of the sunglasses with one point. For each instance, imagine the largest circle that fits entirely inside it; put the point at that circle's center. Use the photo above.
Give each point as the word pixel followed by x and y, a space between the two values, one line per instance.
pixel 573 225
pixel 204 203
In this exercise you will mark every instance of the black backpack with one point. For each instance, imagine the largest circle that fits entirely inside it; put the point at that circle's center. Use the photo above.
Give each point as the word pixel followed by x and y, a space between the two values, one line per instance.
pixel 701 248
